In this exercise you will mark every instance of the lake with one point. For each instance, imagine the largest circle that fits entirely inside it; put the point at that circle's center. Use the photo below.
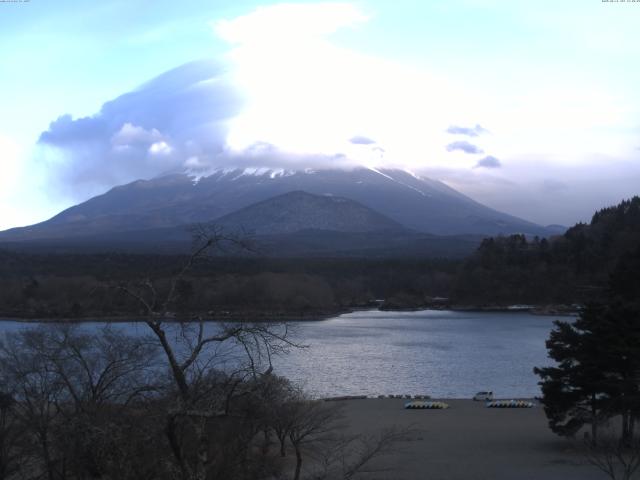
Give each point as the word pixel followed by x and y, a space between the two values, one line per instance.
pixel 441 353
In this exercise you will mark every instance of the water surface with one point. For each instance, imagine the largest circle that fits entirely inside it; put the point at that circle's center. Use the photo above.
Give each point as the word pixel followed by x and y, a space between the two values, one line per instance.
pixel 440 353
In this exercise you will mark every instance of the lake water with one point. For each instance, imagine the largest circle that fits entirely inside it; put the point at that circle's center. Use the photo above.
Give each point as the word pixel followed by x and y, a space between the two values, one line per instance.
pixel 440 353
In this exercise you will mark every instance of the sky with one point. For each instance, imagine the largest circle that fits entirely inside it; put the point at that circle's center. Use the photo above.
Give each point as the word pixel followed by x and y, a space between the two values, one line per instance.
pixel 529 107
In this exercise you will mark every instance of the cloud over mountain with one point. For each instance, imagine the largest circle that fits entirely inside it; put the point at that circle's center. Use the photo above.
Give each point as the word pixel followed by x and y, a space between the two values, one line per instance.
pixel 277 102
pixel 465 147
pixel 181 115
pixel 361 140
pixel 469 131
pixel 488 162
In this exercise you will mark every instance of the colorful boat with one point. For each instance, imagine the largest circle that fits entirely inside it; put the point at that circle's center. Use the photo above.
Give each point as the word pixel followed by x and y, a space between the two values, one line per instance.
pixel 510 404
pixel 422 405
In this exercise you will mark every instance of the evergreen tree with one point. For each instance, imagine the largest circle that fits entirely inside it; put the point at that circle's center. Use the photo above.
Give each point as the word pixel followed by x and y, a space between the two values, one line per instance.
pixel 574 392
pixel 619 358
pixel 597 375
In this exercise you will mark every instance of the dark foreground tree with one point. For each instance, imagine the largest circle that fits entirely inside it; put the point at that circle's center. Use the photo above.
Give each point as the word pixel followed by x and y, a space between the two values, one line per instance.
pixel 203 401
pixel 73 397
pixel 597 372
pixel 573 391
pixel 11 436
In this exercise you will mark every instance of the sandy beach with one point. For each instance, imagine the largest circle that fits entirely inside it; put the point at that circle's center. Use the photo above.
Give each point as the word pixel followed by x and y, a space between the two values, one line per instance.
pixel 471 442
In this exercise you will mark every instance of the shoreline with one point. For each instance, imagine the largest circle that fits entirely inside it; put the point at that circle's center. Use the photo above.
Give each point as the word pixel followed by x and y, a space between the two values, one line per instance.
pixel 276 317
pixel 250 317
pixel 351 398
pixel 542 310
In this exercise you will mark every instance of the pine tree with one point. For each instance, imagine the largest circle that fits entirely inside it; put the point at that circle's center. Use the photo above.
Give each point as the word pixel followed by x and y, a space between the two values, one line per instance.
pixel 597 375
pixel 573 391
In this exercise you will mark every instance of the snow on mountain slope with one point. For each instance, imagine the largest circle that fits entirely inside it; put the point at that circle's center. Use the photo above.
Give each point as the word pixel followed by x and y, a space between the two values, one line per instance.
pixel 418 203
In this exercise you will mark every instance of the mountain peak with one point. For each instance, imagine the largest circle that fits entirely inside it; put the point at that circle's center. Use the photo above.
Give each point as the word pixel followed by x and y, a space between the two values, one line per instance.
pixel 416 203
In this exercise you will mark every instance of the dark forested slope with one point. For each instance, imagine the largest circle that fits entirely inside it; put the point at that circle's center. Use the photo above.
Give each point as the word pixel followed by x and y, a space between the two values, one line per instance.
pixel 574 267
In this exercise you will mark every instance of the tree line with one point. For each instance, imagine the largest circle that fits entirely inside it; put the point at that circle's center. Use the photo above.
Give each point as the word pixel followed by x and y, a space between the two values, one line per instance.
pixel 570 268
pixel 85 286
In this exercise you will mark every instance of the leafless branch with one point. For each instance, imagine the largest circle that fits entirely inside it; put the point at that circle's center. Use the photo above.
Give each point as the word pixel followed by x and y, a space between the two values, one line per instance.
pixel 617 459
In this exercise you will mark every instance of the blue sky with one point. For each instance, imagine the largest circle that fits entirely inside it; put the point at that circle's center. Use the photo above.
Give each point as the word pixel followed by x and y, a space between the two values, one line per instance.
pixel 553 86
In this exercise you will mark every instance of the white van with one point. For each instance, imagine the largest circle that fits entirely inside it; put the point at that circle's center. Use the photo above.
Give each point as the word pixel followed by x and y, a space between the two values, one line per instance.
pixel 486 396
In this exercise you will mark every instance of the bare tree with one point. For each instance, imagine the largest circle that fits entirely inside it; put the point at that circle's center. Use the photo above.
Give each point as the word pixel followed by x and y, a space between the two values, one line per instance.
pixel 194 351
pixel 347 457
pixel 282 418
pixel 37 392
pixel 11 436
pixel 311 422
pixel 618 459
pixel 72 391
pixel 314 430
pixel 110 368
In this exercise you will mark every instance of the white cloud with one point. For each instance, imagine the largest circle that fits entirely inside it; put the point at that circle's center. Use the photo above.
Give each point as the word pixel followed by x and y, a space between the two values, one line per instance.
pixel 23 198
pixel 160 148
pixel 155 128
pixel 11 155
pixel 306 95
pixel 291 96
pixel 276 25
pixel 130 134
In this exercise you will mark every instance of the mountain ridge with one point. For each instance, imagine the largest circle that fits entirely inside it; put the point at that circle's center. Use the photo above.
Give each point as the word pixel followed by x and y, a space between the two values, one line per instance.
pixel 417 203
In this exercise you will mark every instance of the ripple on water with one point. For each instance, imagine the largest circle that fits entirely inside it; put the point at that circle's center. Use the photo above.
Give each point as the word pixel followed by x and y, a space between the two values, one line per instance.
pixel 441 353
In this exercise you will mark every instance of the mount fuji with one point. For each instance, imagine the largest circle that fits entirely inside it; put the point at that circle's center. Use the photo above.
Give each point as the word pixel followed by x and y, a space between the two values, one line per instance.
pixel 371 199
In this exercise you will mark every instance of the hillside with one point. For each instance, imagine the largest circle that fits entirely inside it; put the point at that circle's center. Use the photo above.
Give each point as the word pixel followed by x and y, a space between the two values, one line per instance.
pixel 572 267
pixel 295 224
pixel 296 211
pixel 420 204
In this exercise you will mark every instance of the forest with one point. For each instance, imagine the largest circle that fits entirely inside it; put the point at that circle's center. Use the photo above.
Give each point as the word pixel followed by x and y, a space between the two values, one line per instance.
pixel 562 270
